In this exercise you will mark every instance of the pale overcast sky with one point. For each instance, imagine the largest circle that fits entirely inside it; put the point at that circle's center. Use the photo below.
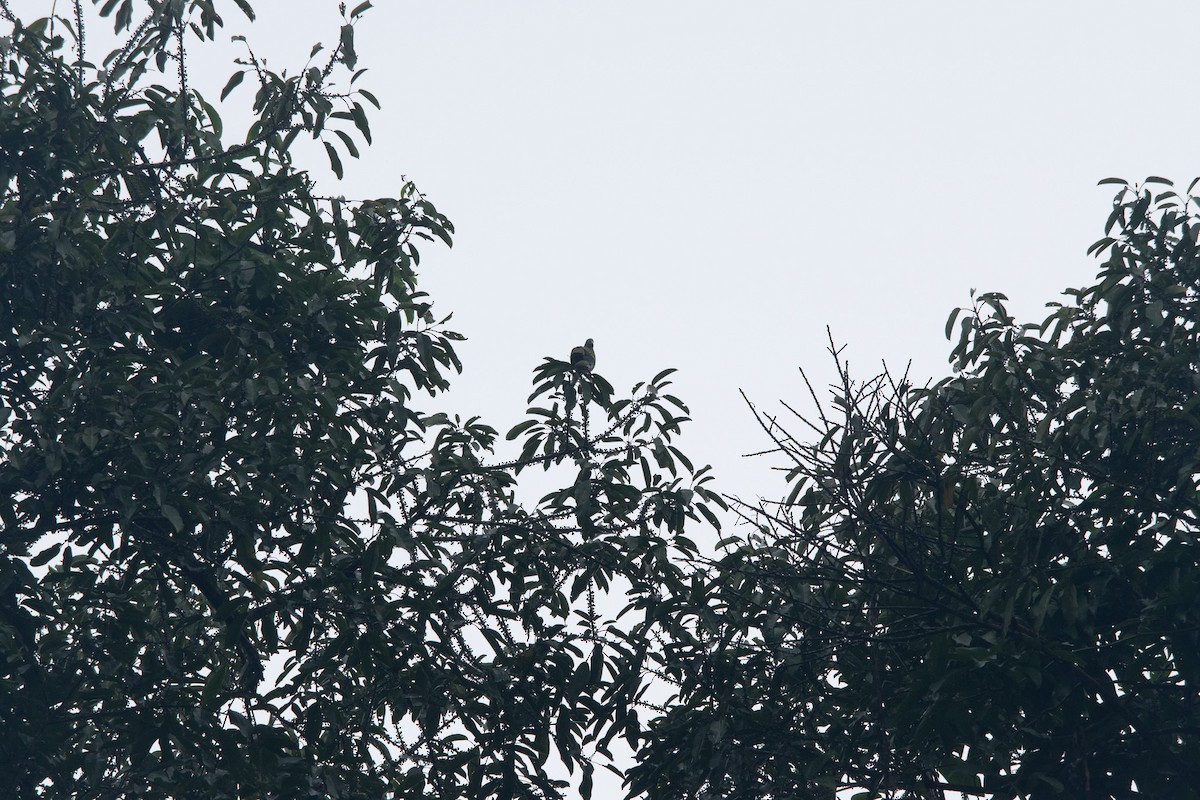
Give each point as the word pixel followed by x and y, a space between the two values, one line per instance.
pixel 708 185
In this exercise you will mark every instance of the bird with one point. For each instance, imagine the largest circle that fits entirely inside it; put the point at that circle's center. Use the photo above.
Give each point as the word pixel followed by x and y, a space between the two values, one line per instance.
pixel 583 357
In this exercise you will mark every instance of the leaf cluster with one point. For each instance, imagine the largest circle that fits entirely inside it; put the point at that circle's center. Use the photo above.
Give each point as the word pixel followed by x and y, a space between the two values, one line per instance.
pixel 989 585
pixel 240 556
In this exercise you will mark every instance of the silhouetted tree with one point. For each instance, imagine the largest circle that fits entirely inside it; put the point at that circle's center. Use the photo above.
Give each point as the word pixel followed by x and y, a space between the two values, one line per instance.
pixel 240 557
pixel 989 586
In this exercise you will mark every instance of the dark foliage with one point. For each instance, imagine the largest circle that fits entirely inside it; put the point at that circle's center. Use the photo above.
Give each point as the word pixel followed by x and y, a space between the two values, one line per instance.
pixel 990 586
pixel 239 556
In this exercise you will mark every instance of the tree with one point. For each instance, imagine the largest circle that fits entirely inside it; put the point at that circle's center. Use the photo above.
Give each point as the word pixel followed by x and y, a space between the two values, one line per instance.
pixel 988 586
pixel 237 558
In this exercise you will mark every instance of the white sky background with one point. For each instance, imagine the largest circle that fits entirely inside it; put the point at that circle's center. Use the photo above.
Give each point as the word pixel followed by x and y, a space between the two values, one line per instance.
pixel 708 185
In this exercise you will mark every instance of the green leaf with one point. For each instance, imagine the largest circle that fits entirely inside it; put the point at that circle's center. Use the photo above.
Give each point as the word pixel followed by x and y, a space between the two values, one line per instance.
pixel 45 556
pixel 351 148
pixel 335 163
pixel 586 782
pixel 172 515
pixel 349 57
pixel 950 322
pixel 371 99
pixel 246 8
pixel 213 685
pixel 234 80
pixel 360 117
pixel 520 428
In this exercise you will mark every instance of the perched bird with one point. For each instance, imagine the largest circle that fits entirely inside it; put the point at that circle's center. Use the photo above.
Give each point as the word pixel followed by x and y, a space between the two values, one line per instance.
pixel 583 358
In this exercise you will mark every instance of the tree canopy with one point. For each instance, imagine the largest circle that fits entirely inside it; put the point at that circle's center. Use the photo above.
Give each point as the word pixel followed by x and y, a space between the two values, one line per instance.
pixel 243 554
pixel 987 586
